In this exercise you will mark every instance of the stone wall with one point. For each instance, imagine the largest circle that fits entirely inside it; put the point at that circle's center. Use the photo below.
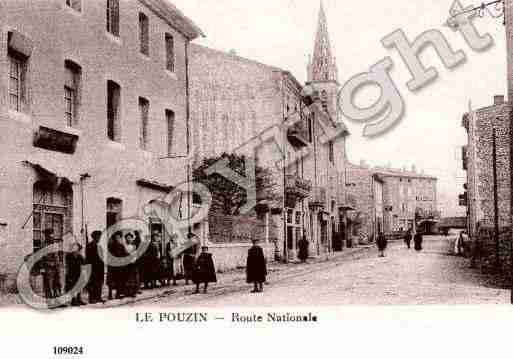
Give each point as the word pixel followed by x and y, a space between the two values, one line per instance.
pixel 235 229
pixel 234 255
pixel 486 251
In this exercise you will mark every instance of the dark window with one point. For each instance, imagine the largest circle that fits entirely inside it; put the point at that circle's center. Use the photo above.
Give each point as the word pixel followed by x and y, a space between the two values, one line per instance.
pixel 144 34
pixel 170 52
pixel 16 82
pixel 113 17
pixel 113 116
pixel 310 129
pixel 170 121
pixel 114 211
pixel 324 100
pixel 72 73
pixel 144 109
pixel 331 152
pixel 74 4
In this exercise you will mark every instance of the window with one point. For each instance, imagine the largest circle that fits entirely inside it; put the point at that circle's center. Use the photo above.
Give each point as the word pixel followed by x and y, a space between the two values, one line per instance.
pixel 144 34
pixel 331 152
pixel 71 92
pixel 170 53
pixel 144 107
pixel 16 82
pixel 113 17
pixel 324 100
pixel 170 119
pixel 114 211
pixel 310 129
pixel 52 209
pixel 74 4
pixel 113 105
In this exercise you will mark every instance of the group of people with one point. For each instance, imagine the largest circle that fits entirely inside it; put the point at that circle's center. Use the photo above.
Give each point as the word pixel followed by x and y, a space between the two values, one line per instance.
pixel 382 242
pixel 124 269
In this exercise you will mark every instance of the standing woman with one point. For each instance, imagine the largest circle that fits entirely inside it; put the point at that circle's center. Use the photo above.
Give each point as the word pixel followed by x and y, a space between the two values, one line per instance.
pixel 382 244
pixel 417 239
pixel 74 263
pixel 256 268
pixel 204 270
pixel 115 273
pixel 131 277
pixel 408 238
pixel 188 264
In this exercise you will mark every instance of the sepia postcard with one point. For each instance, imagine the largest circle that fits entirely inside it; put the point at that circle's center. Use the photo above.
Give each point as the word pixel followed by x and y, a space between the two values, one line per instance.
pixel 177 172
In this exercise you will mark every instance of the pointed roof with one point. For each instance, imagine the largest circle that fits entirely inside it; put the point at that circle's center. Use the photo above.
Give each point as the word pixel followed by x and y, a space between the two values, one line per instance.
pixel 322 65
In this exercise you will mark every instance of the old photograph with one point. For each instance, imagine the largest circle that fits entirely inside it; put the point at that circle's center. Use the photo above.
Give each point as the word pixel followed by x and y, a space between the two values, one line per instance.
pixel 218 154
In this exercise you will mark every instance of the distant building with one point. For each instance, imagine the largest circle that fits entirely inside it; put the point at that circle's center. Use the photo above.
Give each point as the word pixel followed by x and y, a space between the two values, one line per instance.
pixel 391 200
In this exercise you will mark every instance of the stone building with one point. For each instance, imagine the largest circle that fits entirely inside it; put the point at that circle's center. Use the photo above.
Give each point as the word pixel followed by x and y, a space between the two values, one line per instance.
pixel 366 188
pixel 93 95
pixel 484 127
pixel 391 200
pixel 236 100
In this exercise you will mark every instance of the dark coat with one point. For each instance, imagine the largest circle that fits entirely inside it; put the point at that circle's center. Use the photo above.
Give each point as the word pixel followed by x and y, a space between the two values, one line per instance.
pixel 115 274
pixel 74 263
pixel 188 265
pixel 204 270
pixel 256 268
pixel 94 259
pixel 303 245
pixel 417 239
pixel 408 238
pixel 382 242
pixel 150 263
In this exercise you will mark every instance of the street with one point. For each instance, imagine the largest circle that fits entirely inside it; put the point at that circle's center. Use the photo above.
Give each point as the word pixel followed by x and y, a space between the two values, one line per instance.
pixel 404 277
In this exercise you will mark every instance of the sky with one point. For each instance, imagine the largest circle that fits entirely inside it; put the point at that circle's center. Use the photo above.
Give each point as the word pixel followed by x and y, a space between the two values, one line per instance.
pixel 282 32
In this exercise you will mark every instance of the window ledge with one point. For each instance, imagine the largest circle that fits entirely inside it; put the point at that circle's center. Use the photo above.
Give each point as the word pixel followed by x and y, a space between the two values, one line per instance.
pixel 72 11
pixel 20 116
pixel 116 145
pixel 114 38
pixel 72 130
pixel 144 56
pixel 171 74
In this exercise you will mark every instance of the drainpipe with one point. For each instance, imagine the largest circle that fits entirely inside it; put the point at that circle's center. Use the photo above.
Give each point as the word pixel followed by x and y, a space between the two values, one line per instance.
pixel 187 124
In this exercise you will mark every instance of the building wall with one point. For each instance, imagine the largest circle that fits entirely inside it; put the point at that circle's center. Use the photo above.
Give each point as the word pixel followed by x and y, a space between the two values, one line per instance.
pixel 480 178
pixel 360 185
pixel 59 33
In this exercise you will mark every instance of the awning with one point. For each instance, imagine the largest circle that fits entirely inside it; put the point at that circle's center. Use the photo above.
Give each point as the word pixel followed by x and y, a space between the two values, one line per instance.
pixel 55 169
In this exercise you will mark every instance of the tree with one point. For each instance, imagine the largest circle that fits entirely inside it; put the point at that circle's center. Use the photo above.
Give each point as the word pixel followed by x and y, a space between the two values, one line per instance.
pixel 227 197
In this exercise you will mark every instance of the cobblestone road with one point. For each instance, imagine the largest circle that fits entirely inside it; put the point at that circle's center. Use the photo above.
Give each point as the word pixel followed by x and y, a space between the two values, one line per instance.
pixel 404 277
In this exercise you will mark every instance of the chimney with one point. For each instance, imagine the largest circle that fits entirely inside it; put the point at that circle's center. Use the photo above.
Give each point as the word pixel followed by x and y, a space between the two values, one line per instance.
pixel 508 11
pixel 414 169
pixel 498 99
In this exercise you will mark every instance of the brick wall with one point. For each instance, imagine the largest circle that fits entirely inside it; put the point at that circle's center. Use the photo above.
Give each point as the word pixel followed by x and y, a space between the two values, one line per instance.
pixel 486 251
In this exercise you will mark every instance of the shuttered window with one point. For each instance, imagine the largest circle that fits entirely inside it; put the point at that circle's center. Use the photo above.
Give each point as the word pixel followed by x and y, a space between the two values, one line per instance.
pixel 170 119
pixel 144 108
pixel 113 17
pixel 170 52
pixel 144 34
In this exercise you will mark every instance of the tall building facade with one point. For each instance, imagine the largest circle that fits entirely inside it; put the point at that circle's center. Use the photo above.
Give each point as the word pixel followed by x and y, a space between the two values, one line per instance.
pixel 92 97
pixel 236 100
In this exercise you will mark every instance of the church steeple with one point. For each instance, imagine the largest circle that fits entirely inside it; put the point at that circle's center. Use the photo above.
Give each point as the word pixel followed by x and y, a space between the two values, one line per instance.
pixel 322 66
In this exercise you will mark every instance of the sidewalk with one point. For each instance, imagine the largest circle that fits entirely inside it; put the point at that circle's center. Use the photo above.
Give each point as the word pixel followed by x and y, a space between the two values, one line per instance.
pixel 228 282
pixel 235 281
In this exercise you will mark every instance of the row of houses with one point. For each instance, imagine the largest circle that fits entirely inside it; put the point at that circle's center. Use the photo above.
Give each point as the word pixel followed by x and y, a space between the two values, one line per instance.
pixel 106 106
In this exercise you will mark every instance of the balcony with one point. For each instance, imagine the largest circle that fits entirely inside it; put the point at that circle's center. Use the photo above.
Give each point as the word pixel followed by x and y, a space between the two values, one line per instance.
pixel 55 140
pixel 297 187
pixel 318 198
pixel 297 134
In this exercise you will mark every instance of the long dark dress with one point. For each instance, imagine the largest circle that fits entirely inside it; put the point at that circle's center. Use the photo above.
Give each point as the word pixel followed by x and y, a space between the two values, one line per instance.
pixel 382 242
pixel 97 271
pixel 303 249
pixel 74 263
pixel 167 265
pixel 407 239
pixel 188 266
pixel 418 241
pixel 151 263
pixel 115 274
pixel 204 270
pixel 256 268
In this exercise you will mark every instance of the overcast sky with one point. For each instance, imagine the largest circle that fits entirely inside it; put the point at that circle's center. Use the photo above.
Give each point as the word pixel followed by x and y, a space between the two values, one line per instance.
pixel 282 32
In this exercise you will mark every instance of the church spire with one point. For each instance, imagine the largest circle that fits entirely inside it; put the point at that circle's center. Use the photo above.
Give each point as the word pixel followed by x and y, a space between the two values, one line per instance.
pixel 322 66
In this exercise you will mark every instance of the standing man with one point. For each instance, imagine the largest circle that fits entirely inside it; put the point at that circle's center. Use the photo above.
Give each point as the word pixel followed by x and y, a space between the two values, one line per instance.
pixel 74 263
pixel 382 244
pixel 256 268
pixel 93 258
pixel 303 245
pixel 417 239
pixel 204 270
pixel 408 238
